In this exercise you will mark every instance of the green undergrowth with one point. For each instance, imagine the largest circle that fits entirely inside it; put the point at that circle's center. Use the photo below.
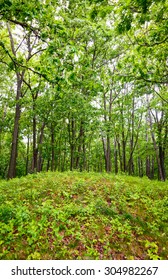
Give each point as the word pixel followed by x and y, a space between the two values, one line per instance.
pixel 83 216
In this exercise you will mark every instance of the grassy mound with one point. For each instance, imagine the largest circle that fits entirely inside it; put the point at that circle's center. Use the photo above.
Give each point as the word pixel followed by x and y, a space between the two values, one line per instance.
pixel 83 216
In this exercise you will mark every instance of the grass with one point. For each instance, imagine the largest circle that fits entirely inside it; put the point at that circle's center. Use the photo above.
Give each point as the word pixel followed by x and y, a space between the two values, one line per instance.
pixel 83 216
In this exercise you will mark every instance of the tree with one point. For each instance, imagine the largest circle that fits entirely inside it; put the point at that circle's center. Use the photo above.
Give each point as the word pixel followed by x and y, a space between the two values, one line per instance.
pixel 84 86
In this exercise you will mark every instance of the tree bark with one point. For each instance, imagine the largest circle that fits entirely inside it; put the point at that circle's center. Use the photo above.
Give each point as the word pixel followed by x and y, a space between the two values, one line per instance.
pixel 15 135
pixel 35 150
pixel 140 167
pixel 39 149
pixel 106 139
pixel 52 149
pixel 115 156
pixel 160 167
pixel 27 154
pixel 72 140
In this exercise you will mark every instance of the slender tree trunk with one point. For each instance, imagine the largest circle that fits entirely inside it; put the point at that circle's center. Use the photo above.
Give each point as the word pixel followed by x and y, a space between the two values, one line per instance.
pixel 52 149
pixel 123 143
pixel 119 154
pixel 48 164
pixel 124 151
pixel 130 167
pixel 35 150
pixel 78 158
pixel 152 168
pixel 148 167
pixel 72 140
pixel 161 172
pixel 84 155
pixel 27 154
pixel 162 162
pixel 72 157
pixel 14 148
pixel 108 155
pixel 106 139
pixel 133 143
pixel 148 172
pixel 162 143
pixel 63 160
pixel 39 149
pixel 15 135
pixel 140 167
pixel 115 156
pixel 81 156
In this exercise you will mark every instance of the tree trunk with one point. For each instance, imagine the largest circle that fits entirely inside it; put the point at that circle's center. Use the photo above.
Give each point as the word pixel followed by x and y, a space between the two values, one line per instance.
pixel 162 163
pixel 48 164
pixel 15 135
pixel 148 167
pixel 119 154
pixel 115 157
pixel 52 149
pixel 140 167
pixel 72 140
pixel 152 168
pixel 39 149
pixel 160 167
pixel 14 148
pixel 27 154
pixel 81 156
pixel 106 139
pixel 35 150
pixel 107 153
pixel 124 151
pixel 130 167
pixel 72 157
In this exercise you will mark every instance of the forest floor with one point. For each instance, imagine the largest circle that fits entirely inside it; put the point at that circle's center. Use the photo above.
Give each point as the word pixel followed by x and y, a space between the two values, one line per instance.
pixel 83 216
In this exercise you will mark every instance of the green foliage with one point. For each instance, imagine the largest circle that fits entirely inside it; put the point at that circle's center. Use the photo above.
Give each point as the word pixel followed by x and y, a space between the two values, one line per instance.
pixel 87 75
pixel 83 216
pixel 6 213
pixel 84 60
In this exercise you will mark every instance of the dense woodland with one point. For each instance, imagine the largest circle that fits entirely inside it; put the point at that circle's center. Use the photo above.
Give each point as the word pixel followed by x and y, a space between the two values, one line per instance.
pixel 83 86
pixel 83 93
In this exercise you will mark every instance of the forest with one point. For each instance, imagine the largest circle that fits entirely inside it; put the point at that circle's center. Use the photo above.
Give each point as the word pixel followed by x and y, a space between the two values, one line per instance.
pixel 84 87
pixel 84 100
